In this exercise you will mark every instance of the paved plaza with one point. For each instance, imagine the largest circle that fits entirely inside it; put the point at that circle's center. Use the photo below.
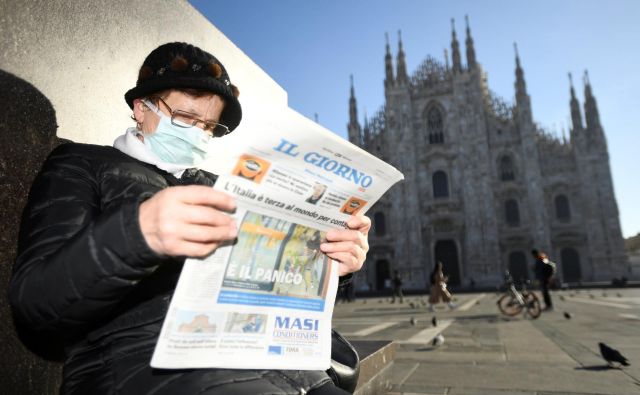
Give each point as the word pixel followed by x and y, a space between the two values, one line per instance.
pixel 485 352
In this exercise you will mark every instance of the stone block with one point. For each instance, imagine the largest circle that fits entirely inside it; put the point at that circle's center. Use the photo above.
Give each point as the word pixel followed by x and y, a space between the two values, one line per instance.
pixel 376 359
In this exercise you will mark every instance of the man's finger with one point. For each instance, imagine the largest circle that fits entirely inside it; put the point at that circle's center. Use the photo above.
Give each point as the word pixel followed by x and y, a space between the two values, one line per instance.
pixel 348 253
pixel 344 235
pixel 360 223
pixel 205 215
pixel 347 263
pixel 341 246
pixel 204 195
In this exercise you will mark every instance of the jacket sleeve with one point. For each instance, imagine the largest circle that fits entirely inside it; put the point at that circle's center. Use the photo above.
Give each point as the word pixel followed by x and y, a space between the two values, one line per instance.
pixel 74 262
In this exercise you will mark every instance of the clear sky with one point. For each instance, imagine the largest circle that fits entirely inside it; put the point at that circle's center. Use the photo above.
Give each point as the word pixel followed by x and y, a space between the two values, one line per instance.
pixel 311 47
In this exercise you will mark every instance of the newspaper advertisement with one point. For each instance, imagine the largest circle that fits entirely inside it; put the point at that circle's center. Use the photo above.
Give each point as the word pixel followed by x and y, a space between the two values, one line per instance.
pixel 266 301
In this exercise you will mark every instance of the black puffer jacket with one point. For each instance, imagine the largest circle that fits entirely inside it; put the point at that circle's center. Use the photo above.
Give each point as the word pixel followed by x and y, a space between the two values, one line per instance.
pixel 85 279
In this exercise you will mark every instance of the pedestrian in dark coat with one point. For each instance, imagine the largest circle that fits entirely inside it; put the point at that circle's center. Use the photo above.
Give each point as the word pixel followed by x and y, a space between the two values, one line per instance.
pixel 106 230
pixel 544 273
pixel 397 287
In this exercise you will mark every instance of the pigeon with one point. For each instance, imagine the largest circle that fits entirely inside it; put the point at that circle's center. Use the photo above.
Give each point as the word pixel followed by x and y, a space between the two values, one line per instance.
pixel 434 321
pixel 437 341
pixel 562 298
pixel 412 305
pixel 567 315
pixel 477 302
pixel 610 355
pixel 413 321
pixel 591 296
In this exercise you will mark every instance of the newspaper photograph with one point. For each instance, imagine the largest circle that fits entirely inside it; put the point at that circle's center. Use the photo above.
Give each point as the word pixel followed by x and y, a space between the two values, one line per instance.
pixel 266 300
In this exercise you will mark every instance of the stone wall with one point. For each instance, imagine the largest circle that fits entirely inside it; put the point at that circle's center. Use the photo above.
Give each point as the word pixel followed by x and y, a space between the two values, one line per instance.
pixel 25 140
pixel 64 68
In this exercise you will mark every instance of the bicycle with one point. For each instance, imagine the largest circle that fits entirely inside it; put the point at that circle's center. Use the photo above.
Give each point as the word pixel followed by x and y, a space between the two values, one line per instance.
pixel 513 302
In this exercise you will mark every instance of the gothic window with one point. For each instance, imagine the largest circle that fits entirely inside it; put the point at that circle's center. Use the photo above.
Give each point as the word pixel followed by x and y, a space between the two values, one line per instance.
pixel 507 171
pixel 563 210
pixel 512 212
pixel 379 225
pixel 435 126
pixel 440 184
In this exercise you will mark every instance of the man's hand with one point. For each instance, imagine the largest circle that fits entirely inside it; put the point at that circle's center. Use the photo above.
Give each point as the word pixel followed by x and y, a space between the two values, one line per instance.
pixel 187 220
pixel 348 246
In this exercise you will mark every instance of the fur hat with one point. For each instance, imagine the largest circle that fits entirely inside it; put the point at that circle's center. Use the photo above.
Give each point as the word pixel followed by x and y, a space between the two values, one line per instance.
pixel 181 65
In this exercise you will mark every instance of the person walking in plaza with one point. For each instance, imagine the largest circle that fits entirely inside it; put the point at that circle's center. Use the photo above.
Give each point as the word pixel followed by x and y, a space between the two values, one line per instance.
pixel 106 230
pixel 438 289
pixel 544 270
pixel 397 287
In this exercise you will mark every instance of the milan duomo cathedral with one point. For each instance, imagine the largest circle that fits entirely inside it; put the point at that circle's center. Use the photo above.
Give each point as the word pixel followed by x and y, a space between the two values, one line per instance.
pixel 484 185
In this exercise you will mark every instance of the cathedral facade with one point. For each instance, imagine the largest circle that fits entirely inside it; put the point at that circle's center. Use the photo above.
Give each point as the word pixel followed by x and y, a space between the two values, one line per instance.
pixel 484 185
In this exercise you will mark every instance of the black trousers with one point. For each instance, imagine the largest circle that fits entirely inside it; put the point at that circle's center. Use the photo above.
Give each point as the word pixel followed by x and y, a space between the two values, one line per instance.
pixel 397 291
pixel 544 287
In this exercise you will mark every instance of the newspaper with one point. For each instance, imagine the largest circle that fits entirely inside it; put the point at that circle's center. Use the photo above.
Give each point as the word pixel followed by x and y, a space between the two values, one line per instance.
pixel 266 301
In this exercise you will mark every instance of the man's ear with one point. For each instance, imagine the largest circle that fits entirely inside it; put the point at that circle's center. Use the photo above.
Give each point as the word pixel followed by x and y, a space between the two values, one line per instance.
pixel 139 110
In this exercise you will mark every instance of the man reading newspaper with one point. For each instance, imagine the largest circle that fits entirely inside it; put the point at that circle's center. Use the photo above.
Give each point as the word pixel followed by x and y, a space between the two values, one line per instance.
pixel 106 230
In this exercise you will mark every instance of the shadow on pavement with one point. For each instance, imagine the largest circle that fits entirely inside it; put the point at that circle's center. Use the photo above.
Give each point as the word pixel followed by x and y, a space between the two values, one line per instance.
pixel 594 368
pixel 487 317
pixel 426 348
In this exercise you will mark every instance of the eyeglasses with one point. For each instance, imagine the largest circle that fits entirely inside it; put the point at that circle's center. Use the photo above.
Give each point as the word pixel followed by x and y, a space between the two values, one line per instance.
pixel 184 119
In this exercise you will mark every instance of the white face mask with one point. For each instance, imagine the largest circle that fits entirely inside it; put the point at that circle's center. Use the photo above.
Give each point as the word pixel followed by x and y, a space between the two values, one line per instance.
pixel 183 144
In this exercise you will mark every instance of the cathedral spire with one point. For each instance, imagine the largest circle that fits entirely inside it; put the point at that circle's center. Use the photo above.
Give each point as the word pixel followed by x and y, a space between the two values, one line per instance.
pixel 353 127
pixel 521 86
pixel 367 131
pixel 590 105
pixel 446 59
pixel 471 52
pixel 523 102
pixel 455 49
pixel 401 68
pixel 388 80
pixel 353 107
pixel 576 117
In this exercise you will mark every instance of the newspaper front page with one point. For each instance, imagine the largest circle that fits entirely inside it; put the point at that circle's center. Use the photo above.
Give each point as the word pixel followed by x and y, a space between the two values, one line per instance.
pixel 266 301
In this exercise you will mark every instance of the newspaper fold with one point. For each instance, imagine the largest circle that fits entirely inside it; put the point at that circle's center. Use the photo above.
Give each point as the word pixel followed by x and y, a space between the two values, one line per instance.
pixel 266 301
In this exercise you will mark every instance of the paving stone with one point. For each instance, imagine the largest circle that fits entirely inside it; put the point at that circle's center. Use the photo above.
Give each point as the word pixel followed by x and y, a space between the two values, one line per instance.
pixel 524 377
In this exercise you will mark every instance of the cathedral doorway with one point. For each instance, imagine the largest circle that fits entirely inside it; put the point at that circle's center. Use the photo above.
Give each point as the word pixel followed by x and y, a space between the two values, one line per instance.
pixel 518 266
pixel 570 265
pixel 446 252
pixel 383 274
